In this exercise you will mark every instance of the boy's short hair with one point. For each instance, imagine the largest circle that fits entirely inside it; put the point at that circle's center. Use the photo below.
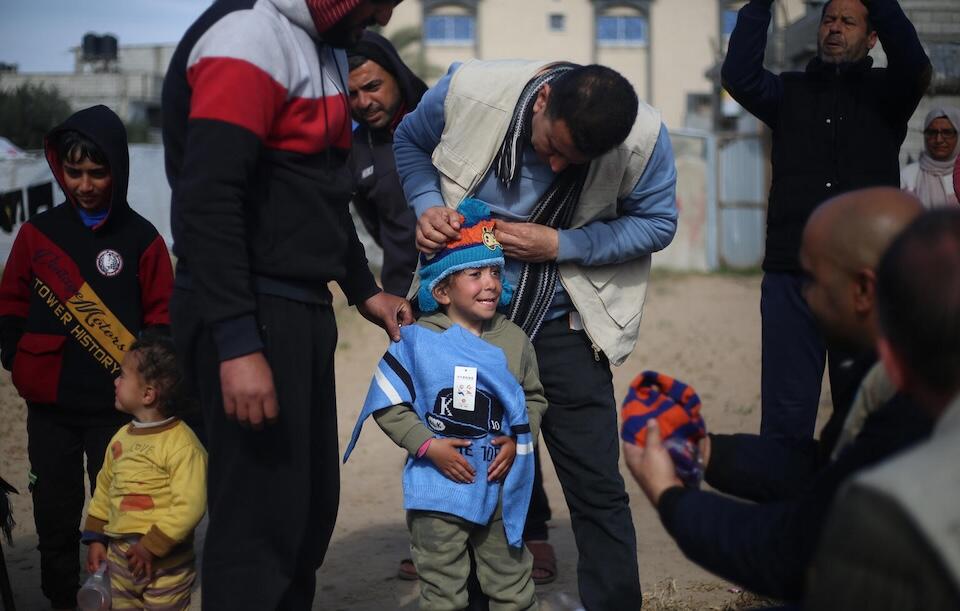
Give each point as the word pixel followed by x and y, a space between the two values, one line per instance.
pixel 159 367
pixel 74 147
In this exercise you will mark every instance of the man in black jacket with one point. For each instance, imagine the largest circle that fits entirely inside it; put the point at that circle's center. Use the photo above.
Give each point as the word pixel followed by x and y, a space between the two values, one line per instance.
pixel 382 90
pixel 838 126
pixel 767 547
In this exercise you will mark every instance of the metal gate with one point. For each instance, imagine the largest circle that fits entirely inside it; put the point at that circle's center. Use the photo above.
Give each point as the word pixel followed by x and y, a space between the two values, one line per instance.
pixel 742 201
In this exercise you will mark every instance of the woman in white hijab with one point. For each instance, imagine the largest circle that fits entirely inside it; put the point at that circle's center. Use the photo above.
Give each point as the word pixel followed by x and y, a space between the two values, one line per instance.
pixel 931 178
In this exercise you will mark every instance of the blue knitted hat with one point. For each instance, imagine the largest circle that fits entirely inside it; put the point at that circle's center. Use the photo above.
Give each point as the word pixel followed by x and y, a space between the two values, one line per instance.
pixel 477 247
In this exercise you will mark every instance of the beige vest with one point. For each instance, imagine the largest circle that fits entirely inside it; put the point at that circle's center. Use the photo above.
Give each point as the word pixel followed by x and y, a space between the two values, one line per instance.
pixel 477 110
pixel 925 482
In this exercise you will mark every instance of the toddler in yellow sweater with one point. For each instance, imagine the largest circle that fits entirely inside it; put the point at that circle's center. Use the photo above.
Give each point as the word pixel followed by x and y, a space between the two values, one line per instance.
pixel 151 491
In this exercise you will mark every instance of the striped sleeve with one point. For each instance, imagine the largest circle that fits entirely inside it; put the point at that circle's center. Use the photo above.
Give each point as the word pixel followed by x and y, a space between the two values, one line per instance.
pixel 238 74
pixel 391 385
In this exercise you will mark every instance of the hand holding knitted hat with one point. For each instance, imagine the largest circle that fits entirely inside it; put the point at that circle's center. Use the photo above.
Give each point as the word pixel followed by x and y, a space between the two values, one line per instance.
pixel 477 247
pixel 676 408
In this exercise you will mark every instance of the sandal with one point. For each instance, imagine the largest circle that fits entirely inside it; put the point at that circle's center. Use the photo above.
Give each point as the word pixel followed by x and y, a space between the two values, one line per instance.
pixel 407 570
pixel 544 562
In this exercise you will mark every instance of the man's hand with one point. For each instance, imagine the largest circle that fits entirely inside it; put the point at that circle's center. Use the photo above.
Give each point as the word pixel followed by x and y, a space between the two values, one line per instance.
pixel 652 466
pixel 96 555
pixel 443 453
pixel 141 561
pixel 435 227
pixel 248 393
pixel 387 311
pixel 528 242
pixel 501 464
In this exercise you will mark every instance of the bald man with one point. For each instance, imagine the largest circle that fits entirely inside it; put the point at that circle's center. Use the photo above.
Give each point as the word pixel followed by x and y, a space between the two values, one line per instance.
pixel 890 543
pixel 766 547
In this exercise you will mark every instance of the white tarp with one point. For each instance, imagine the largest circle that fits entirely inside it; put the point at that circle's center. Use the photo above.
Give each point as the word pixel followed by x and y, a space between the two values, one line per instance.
pixel 26 185
pixel 9 150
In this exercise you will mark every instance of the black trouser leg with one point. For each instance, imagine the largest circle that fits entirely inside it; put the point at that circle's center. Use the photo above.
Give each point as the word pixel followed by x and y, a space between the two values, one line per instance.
pixel 58 439
pixel 538 514
pixel 56 465
pixel 272 494
pixel 580 429
pixel 792 359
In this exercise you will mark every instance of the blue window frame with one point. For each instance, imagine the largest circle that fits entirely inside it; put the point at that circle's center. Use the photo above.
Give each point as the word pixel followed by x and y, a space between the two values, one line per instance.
pixel 449 29
pixel 557 22
pixel 622 30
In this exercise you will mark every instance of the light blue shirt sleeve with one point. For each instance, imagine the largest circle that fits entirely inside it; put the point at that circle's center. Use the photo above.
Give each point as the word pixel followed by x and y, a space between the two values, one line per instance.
pixel 647 223
pixel 413 143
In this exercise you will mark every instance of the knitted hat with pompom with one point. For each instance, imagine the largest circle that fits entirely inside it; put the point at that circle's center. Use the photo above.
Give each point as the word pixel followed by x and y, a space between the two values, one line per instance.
pixel 477 247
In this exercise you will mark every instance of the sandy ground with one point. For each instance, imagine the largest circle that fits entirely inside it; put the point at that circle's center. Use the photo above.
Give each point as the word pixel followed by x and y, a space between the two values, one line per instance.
pixel 704 330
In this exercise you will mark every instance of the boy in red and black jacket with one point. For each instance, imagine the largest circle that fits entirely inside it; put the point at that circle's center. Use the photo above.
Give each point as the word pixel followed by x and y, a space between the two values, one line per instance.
pixel 81 282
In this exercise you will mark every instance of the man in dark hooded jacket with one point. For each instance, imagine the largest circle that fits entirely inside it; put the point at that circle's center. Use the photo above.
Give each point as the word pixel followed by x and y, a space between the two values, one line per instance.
pixel 382 91
pixel 82 280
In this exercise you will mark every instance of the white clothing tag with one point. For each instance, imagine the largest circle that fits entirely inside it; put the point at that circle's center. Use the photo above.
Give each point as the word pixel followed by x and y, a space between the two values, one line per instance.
pixel 576 324
pixel 465 388
pixel 366 172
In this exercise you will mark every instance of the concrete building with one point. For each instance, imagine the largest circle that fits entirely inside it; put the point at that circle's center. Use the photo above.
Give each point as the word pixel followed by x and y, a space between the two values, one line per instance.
pixel 127 78
pixel 665 47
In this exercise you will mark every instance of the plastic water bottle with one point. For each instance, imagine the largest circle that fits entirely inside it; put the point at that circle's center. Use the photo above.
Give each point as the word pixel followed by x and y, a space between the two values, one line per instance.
pixel 94 594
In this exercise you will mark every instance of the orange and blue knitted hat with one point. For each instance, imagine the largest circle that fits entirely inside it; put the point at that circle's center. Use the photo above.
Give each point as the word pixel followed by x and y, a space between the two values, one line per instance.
pixel 476 247
pixel 675 406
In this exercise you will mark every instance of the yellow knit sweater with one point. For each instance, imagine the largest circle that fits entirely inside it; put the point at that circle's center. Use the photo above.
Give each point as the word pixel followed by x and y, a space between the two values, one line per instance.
pixel 153 483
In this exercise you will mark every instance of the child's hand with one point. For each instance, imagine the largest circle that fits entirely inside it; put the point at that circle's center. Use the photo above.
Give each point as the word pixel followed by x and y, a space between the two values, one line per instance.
pixel 444 455
pixel 141 561
pixel 96 555
pixel 501 464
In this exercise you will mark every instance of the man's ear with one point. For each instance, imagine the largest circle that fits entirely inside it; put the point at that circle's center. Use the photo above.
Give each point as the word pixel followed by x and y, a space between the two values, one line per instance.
pixel 871 40
pixel 540 104
pixel 864 291
pixel 893 363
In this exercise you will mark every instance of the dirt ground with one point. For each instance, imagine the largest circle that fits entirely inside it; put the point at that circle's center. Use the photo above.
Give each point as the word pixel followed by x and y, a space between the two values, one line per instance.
pixel 703 329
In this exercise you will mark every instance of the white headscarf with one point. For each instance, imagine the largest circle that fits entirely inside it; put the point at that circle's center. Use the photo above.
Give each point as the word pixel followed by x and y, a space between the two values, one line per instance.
pixel 930 189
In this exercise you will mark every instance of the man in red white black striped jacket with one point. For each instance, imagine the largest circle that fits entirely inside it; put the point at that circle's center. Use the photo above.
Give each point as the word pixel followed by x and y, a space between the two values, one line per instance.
pixel 257 130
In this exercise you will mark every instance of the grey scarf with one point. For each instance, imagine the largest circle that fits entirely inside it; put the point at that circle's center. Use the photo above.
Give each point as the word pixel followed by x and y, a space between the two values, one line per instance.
pixel 538 281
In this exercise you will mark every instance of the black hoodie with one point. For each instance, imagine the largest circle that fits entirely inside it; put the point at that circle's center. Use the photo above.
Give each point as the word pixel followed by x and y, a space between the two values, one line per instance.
pixel 72 297
pixel 378 196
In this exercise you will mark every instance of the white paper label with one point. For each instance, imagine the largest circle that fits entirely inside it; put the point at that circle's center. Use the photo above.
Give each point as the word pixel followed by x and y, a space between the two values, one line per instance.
pixel 465 388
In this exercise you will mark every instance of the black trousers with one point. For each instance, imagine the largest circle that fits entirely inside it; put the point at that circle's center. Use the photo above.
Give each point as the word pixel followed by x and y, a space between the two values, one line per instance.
pixel 538 513
pixel 580 430
pixel 272 494
pixel 793 355
pixel 58 439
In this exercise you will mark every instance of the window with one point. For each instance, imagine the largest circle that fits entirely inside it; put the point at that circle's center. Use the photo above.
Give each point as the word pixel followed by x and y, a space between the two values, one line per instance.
pixel 621 30
pixel 449 29
pixel 729 17
pixel 558 22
